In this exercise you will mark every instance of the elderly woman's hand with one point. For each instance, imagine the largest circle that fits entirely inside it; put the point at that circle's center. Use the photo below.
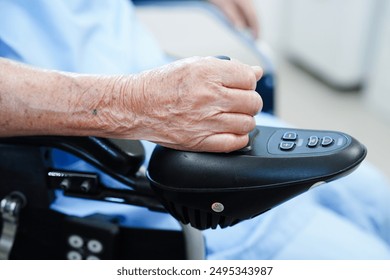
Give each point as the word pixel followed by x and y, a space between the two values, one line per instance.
pixel 198 104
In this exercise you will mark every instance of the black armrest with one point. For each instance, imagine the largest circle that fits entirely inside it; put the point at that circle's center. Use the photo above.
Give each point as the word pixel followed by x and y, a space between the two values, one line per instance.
pixel 117 157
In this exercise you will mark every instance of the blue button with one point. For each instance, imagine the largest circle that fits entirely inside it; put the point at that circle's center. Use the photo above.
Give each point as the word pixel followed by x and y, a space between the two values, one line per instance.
pixel 327 141
pixel 313 141
pixel 290 135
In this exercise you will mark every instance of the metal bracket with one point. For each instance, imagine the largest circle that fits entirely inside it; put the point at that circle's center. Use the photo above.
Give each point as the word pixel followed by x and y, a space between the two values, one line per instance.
pixel 87 185
pixel 194 242
pixel 10 207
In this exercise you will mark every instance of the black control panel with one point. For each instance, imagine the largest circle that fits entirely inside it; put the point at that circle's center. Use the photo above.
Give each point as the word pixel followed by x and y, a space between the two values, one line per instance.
pixel 218 189
pixel 286 141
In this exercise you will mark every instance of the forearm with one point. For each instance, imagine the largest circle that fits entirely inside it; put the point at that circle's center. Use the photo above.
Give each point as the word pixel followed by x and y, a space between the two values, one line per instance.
pixel 37 102
pixel 198 104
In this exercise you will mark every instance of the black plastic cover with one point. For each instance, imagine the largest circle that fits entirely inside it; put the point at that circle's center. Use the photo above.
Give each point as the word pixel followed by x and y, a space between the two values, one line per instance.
pixel 247 182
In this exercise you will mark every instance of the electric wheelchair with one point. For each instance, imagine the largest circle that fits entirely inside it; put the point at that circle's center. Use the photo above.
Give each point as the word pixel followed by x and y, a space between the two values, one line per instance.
pixel 200 190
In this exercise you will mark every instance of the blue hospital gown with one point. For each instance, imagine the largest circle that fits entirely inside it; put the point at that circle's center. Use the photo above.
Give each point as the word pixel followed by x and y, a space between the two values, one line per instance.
pixel 346 219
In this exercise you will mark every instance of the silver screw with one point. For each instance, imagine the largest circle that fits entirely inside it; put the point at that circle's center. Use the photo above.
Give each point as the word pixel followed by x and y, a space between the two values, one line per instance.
pixel 65 184
pixel 85 186
pixel 217 207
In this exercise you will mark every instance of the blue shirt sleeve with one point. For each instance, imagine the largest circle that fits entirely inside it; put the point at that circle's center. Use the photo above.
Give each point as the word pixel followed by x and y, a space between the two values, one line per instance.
pixel 77 35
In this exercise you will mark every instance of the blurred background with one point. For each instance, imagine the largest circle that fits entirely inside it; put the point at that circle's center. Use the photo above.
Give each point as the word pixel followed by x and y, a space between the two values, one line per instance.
pixel 331 59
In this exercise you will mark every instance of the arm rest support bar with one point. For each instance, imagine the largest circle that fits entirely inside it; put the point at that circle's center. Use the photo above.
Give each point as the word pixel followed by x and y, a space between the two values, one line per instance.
pixel 119 158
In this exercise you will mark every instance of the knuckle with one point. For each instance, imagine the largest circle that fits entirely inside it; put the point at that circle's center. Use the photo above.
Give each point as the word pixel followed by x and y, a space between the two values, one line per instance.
pixel 257 102
pixel 248 124
pixel 238 143
pixel 228 144
pixel 248 77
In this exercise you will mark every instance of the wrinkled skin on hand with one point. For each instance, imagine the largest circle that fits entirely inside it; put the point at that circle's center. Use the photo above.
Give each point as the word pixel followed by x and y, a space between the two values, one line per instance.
pixel 196 104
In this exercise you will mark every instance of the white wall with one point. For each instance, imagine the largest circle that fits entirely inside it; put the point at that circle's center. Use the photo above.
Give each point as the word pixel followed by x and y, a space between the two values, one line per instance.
pixel 377 92
pixel 272 21
pixel 345 42
pixel 190 31
pixel 330 37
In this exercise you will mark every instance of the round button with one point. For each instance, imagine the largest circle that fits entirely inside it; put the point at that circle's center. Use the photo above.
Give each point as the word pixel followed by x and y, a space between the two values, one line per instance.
pixel 75 241
pixel 92 258
pixel 73 255
pixel 95 246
